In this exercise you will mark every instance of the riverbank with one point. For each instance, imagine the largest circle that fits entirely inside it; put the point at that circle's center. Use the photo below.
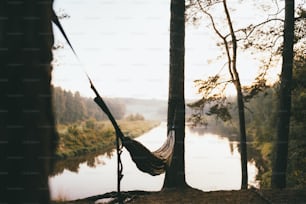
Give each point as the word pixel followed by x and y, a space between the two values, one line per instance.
pixel 92 136
pixel 191 195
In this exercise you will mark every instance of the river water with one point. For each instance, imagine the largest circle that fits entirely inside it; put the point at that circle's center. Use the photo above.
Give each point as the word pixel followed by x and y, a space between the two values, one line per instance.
pixel 212 162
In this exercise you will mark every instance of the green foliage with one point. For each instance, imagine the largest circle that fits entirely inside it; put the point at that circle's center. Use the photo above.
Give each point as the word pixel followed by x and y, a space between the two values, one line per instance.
pixel 197 119
pixel 90 124
pixel 220 111
pixel 213 102
pixel 91 135
pixel 72 107
pixel 297 145
pixel 207 87
pixel 261 129
pixel 258 86
pixel 134 117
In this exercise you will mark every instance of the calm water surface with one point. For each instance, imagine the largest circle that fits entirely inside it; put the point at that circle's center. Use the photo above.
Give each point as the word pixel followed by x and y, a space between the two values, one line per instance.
pixel 212 162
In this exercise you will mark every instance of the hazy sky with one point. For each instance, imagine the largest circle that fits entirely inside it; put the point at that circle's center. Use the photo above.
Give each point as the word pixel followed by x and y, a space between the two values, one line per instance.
pixel 124 46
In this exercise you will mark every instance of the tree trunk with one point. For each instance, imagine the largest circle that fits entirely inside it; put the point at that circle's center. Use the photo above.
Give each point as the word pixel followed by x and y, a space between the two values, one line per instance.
pixel 243 142
pixel 27 132
pixel 232 61
pixel 280 164
pixel 175 174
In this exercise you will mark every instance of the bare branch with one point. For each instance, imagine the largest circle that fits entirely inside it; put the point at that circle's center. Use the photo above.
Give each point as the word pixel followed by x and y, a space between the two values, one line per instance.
pixel 211 19
pixel 232 67
pixel 278 9
pixel 244 30
pixel 221 36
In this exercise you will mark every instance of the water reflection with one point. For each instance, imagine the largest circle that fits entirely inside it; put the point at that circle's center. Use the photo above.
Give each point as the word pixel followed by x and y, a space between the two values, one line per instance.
pixel 73 164
pixel 203 131
pixel 89 181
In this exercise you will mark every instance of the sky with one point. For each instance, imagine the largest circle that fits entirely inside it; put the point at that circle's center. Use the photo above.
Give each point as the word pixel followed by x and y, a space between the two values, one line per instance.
pixel 123 45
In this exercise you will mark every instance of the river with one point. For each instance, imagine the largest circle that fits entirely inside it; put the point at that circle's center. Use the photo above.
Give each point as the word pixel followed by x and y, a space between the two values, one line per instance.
pixel 212 162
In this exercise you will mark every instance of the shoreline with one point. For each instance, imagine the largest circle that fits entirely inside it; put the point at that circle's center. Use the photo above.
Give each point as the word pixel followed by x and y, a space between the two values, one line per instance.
pixel 192 195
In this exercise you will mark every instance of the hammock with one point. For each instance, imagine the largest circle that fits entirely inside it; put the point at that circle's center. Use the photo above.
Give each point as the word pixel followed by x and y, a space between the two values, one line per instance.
pixel 153 163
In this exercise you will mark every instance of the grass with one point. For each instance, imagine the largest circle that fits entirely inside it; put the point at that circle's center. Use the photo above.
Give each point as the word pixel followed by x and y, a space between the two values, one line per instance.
pixel 90 136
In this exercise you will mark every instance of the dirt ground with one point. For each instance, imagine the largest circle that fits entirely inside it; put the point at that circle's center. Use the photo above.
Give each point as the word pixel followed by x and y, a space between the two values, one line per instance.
pixel 191 195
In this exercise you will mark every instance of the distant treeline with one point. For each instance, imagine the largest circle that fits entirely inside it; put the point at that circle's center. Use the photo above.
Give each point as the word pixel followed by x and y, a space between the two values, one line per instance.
pixel 72 107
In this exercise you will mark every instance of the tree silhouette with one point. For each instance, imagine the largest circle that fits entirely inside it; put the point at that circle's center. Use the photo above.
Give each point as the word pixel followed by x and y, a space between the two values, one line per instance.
pixel 27 132
pixel 279 168
pixel 175 174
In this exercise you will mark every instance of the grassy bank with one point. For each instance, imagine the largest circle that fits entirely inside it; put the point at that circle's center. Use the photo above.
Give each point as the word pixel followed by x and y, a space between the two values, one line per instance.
pixel 91 136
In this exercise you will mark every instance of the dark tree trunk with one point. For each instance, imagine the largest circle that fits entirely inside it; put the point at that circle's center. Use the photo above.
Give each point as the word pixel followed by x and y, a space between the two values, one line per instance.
pixel 27 132
pixel 175 174
pixel 243 140
pixel 232 61
pixel 280 164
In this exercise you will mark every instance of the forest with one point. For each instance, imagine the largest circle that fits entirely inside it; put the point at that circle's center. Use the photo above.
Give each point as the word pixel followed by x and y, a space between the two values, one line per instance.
pixel 261 123
pixel 71 107
pixel 84 128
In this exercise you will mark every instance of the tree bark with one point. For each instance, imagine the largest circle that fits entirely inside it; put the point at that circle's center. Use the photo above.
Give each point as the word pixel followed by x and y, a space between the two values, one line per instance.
pixel 27 130
pixel 279 168
pixel 175 174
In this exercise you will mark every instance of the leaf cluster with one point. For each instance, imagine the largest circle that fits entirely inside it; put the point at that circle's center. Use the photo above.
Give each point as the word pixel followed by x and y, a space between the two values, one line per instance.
pixel 213 97
pixel 258 86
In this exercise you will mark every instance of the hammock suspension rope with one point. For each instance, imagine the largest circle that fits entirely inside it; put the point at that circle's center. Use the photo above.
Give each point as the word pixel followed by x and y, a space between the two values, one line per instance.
pixel 153 163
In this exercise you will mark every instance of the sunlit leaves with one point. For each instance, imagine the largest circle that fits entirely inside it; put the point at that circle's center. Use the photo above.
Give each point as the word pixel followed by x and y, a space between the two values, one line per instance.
pixel 206 87
pixel 258 86
pixel 213 100
pixel 215 105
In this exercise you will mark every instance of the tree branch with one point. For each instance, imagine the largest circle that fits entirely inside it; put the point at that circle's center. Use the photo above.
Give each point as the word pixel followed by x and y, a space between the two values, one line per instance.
pixel 233 71
pixel 221 36
pixel 211 19
pixel 244 30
